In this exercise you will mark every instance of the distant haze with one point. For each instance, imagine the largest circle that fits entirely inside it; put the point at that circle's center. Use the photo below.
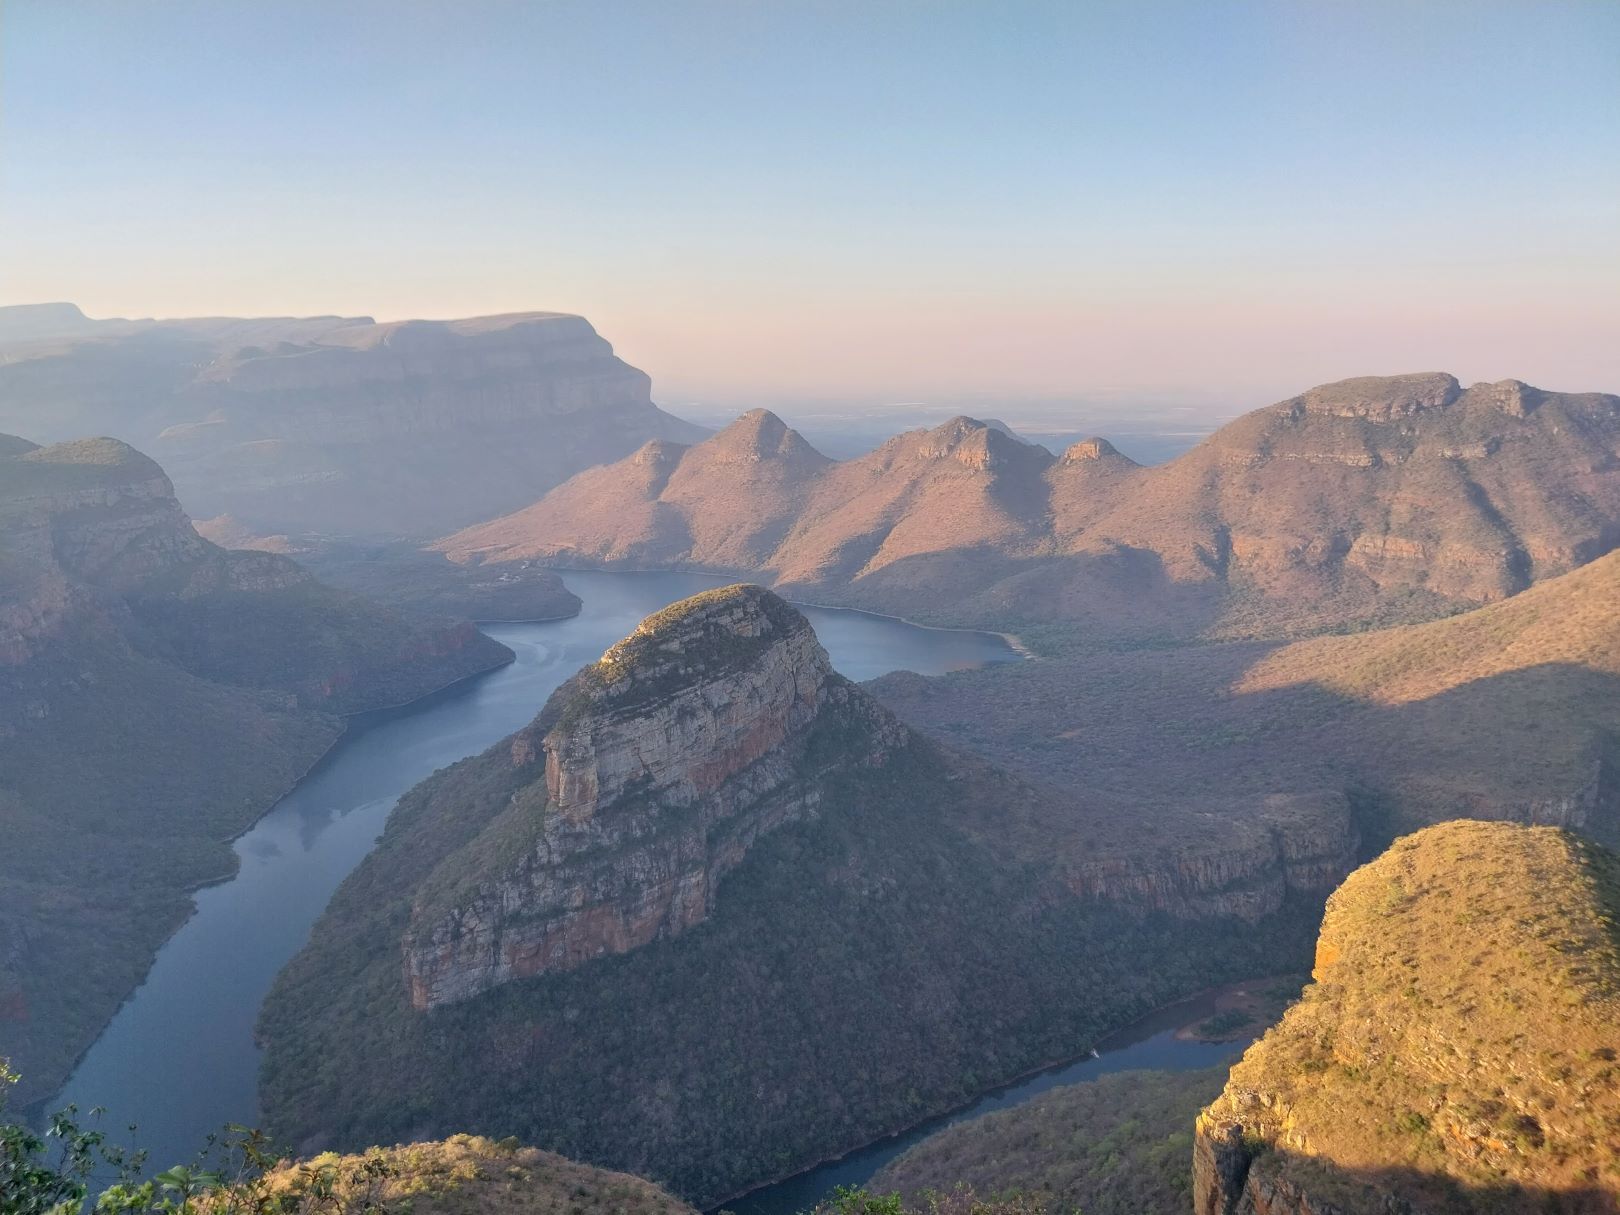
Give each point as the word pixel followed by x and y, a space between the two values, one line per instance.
pixel 852 204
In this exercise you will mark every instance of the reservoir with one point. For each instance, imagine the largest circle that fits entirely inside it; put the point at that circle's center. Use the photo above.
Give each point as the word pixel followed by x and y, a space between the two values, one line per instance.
pixel 178 1061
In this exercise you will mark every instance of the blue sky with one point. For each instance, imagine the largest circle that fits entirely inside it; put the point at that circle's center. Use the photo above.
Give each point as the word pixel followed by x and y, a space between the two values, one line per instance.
pixel 776 200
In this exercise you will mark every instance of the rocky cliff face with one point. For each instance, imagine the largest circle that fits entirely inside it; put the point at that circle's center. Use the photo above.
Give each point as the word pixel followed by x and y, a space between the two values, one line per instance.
pixel 333 424
pixel 654 772
pixel 1457 1050
pixel 1300 844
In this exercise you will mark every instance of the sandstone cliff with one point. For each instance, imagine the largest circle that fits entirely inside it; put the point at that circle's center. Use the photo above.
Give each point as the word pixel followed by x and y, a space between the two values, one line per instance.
pixel 654 772
pixel 1457 1051
pixel 335 424
pixel 1367 501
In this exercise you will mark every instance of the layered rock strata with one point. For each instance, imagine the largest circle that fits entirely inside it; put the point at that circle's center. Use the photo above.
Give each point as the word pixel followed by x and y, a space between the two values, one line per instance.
pixel 662 764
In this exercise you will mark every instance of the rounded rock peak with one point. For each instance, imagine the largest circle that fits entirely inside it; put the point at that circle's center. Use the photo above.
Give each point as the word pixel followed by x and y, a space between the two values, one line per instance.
pixel 113 459
pixel 743 608
pixel 657 451
pixel 1091 449
pixel 976 444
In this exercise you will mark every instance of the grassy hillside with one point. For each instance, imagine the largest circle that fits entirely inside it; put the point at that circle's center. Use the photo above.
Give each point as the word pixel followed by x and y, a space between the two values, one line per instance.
pixel 1570 621
pixel 461 1175
pixel 1458 1049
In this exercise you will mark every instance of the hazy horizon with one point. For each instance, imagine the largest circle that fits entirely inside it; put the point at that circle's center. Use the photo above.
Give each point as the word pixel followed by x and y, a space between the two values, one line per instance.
pixel 834 203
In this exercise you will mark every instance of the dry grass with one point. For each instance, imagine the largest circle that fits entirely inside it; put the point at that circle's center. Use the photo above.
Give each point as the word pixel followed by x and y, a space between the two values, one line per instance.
pixel 462 1175
pixel 1464 1028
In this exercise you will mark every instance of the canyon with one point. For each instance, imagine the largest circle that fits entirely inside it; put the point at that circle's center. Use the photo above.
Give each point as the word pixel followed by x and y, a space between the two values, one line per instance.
pixel 709 819
pixel 157 693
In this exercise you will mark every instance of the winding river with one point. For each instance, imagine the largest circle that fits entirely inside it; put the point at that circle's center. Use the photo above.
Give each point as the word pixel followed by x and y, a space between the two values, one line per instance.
pixel 178 1061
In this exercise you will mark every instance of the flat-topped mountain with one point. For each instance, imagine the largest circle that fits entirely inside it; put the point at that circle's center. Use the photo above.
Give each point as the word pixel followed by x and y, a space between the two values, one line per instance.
pixel 336 425
pixel 725 901
pixel 1370 500
pixel 156 694
pixel 1458 1050
pixel 663 764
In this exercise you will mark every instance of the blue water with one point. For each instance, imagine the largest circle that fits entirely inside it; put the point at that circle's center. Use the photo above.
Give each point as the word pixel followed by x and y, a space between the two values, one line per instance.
pixel 178 1060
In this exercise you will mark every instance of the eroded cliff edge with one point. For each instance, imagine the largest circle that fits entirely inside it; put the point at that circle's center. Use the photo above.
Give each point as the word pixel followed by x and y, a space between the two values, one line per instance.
pixel 1457 1051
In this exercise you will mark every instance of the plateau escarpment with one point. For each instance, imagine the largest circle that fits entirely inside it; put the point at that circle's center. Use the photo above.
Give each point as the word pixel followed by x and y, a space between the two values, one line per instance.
pixel 156 694
pixel 1457 1051
pixel 1368 501
pixel 842 926
pixel 334 425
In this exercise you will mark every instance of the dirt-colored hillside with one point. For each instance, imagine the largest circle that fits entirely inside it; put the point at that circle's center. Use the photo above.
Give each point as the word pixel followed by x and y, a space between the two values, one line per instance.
pixel 1370 501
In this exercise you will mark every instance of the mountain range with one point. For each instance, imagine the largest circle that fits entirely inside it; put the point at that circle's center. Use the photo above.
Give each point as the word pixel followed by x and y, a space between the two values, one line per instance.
pixel 1369 501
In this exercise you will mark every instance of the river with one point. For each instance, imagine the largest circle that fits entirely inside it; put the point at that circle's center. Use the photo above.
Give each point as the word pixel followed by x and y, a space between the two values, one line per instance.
pixel 1150 1043
pixel 178 1060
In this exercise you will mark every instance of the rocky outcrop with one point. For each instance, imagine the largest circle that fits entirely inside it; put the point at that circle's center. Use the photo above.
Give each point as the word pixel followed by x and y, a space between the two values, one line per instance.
pixel 654 772
pixel 1456 1051
pixel 1301 844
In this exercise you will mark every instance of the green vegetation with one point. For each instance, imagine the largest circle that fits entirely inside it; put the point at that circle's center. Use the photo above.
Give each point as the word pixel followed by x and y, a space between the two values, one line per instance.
pixel 889 959
pixel 1223 1024
pixel 240 1174
pixel 960 1200
pixel 118 798
pixel 1489 713
pixel 1463 1034
pixel 1117 1145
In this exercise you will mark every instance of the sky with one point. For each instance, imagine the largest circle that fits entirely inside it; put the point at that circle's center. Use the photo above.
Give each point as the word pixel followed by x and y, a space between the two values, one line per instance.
pixel 774 200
